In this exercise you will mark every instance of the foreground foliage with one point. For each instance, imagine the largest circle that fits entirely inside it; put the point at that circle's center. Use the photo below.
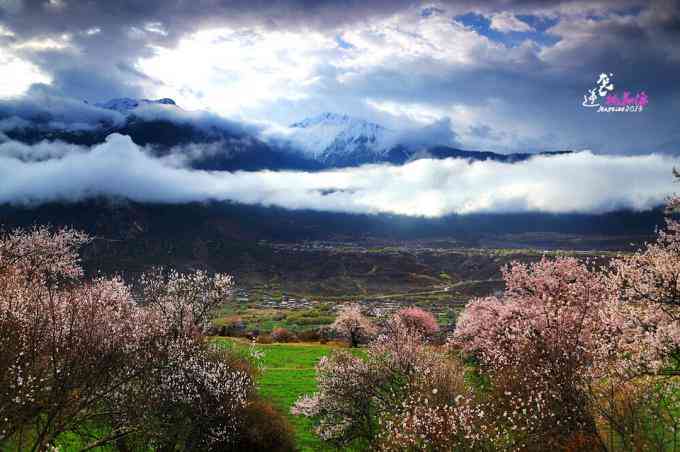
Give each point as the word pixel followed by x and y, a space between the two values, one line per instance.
pixel 82 358
pixel 569 357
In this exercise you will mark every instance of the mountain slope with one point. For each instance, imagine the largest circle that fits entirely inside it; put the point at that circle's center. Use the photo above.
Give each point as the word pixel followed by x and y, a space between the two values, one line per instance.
pixel 200 141
pixel 125 104
pixel 443 152
pixel 339 140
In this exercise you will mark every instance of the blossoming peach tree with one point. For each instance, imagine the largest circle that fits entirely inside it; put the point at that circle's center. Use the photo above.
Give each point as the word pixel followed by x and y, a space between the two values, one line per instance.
pixel 352 325
pixel 79 355
pixel 357 393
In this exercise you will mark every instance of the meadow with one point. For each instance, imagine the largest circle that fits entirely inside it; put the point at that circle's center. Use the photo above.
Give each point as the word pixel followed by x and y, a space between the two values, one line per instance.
pixel 288 372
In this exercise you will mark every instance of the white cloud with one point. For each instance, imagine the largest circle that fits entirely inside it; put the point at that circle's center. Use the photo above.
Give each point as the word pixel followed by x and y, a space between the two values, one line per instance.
pixel 580 182
pixel 251 69
pixel 13 150
pixel 506 22
pixel 18 75
pixel 411 42
pixel 229 70
pixel 465 119
pixel 61 42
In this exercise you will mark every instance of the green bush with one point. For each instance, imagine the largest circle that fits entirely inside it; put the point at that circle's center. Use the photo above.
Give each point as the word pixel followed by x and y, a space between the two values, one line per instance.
pixel 309 335
pixel 266 430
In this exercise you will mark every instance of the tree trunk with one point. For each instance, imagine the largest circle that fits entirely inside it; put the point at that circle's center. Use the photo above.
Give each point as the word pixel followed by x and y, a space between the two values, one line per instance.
pixel 354 340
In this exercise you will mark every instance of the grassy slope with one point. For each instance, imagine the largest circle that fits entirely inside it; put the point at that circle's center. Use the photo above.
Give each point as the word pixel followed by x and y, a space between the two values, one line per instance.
pixel 289 373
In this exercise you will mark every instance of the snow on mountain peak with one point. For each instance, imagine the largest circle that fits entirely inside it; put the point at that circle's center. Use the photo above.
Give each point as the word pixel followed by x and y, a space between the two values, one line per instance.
pixel 330 136
pixel 126 104
pixel 324 118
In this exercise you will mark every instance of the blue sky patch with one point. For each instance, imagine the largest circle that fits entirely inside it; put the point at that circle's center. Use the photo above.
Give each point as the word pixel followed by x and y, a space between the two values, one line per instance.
pixel 482 25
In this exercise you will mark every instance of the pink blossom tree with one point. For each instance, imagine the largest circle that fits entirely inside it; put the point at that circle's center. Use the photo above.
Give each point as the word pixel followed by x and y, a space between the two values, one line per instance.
pixel 77 353
pixel 352 325
pixel 645 322
pixel 566 342
pixel 548 352
pixel 357 394
pixel 59 335
pixel 185 300
pixel 419 320
pixel 538 344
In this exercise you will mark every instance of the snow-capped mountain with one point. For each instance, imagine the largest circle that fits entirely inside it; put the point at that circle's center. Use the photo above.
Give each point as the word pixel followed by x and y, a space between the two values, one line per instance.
pixel 341 140
pixel 126 104
pixel 337 140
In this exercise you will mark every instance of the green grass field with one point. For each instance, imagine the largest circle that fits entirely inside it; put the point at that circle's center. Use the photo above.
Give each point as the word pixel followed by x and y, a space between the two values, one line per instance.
pixel 289 372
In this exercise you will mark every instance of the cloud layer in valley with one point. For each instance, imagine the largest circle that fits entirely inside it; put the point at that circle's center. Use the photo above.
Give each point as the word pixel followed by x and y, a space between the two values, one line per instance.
pixel 574 183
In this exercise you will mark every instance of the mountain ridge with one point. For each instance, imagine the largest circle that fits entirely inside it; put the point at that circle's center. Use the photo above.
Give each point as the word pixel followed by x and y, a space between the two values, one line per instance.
pixel 325 141
pixel 339 140
pixel 127 104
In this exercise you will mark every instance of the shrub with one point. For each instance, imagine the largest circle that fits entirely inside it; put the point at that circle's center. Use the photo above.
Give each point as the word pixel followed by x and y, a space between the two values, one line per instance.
pixel 233 326
pixel 264 339
pixel 252 335
pixel 309 335
pixel 325 334
pixel 282 335
pixel 265 430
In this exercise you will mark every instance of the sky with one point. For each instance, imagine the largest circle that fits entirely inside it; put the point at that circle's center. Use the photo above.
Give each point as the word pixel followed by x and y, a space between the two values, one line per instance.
pixel 498 75
pixel 502 75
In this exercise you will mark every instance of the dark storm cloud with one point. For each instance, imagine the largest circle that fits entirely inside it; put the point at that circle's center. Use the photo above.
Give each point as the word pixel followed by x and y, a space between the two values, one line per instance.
pixel 112 35
pixel 41 109
pixel 544 85
pixel 438 133
pixel 179 17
